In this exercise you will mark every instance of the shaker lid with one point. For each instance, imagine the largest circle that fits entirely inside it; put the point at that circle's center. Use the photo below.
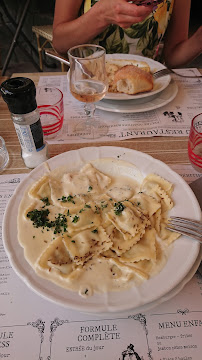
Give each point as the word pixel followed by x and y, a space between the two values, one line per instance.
pixel 20 95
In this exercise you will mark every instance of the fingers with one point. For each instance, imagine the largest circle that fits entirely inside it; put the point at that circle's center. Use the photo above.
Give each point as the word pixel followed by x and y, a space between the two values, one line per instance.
pixel 123 13
pixel 127 21
pixel 135 10
pixel 126 14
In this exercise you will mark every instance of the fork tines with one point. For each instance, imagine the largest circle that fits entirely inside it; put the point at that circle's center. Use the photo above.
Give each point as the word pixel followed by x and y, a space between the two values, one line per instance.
pixel 191 228
pixel 160 73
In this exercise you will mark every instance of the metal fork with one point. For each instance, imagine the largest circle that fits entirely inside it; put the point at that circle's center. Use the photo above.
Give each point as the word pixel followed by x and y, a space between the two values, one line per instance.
pixel 190 228
pixel 61 58
pixel 164 72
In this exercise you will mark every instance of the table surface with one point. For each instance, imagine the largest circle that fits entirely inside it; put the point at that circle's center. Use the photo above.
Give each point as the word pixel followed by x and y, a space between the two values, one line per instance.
pixel 170 150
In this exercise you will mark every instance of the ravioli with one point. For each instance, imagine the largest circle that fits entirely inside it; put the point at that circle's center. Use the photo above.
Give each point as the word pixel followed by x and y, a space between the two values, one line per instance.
pixel 63 198
pixel 88 231
pixel 87 244
pixel 129 222
pixel 85 218
pixel 166 235
pixel 146 203
pixel 160 189
pixel 152 179
pixel 41 188
pixel 120 245
pixel 56 258
pixel 144 249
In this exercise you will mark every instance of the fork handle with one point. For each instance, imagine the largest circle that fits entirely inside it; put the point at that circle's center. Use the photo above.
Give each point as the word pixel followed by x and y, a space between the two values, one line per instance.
pixel 53 55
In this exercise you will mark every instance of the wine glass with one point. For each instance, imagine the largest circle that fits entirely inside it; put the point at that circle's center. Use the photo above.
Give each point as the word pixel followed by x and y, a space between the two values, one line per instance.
pixel 88 83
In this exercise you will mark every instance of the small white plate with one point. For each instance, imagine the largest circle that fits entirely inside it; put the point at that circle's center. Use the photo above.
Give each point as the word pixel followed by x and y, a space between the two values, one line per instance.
pixel 159 84
pixel 184 251
pixel 140 105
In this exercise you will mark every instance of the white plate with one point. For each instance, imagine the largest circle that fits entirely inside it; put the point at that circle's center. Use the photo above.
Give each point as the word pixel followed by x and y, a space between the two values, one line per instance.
pixel 172 292
pixel 159 84
pixel 140 105
pixel 183 255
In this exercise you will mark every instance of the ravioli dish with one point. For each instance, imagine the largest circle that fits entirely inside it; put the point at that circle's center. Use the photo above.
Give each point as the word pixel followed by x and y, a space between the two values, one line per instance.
pixel 98 229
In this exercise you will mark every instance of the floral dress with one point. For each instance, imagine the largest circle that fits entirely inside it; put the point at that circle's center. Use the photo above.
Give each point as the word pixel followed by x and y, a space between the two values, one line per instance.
pixel 143 38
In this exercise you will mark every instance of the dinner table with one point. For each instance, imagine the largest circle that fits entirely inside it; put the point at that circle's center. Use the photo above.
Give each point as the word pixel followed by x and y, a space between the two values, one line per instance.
pixel 170 150
pixel 36 328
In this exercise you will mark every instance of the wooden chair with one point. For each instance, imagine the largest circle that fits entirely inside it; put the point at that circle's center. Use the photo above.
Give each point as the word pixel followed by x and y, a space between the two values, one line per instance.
pixel 45 32
pixel 2 78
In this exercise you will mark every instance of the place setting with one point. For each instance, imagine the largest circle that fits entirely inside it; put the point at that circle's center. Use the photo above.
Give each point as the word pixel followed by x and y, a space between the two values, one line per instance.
pixel 103 239
pixel 160 92
pixel 100 188
pixel 100 180
pixel 53 281
pixel 102 209
pixel 153 93
pixel 74 210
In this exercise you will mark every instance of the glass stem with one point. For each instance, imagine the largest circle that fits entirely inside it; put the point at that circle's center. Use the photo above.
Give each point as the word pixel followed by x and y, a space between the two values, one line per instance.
pixel 89 109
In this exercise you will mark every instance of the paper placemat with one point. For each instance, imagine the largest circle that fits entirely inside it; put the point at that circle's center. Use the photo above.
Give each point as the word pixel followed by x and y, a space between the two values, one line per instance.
pixel 34 328
pixel 173 119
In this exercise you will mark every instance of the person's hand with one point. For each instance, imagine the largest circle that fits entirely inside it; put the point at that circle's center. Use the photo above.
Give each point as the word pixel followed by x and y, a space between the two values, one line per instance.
pixel 122 12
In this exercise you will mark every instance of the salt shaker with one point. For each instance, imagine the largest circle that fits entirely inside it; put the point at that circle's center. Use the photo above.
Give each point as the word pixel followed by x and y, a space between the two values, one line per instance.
pixel 20 95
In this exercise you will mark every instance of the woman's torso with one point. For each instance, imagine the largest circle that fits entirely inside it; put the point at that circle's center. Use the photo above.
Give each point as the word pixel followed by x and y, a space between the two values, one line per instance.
pixel 143 38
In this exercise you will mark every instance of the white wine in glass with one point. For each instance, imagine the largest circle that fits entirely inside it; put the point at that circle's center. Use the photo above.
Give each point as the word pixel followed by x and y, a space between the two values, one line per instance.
pixel 88 84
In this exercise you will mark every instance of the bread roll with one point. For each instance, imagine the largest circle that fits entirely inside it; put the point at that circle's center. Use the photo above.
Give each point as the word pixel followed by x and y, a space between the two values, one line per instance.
pixel 119 63
pixel 132 80
pixel 111 69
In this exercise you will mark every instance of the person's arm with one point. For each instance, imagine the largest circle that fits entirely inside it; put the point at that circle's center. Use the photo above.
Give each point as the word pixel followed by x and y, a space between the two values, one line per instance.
pixel 70 30
pixel 179 49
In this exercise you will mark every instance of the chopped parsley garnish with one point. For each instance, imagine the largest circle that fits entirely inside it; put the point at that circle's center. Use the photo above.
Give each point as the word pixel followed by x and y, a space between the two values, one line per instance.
pixel 87 206
pixel 118 208
pixel 68 198
pixel 40 219
pixel 95 231
pixel 138 203
pixel 45 201
pixel 63 199
pixel 73 241
pixel 59 223
pixel 97 209
pixel 90 188
pixel 75 219
pixel 103 206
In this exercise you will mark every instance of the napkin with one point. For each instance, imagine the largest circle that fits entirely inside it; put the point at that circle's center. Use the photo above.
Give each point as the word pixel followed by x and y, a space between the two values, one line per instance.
pixel 196 187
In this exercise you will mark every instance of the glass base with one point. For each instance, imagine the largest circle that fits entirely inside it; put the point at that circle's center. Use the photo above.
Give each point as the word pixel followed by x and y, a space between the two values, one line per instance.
pixel 4 159
pixel 94 130
pixel 197 168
